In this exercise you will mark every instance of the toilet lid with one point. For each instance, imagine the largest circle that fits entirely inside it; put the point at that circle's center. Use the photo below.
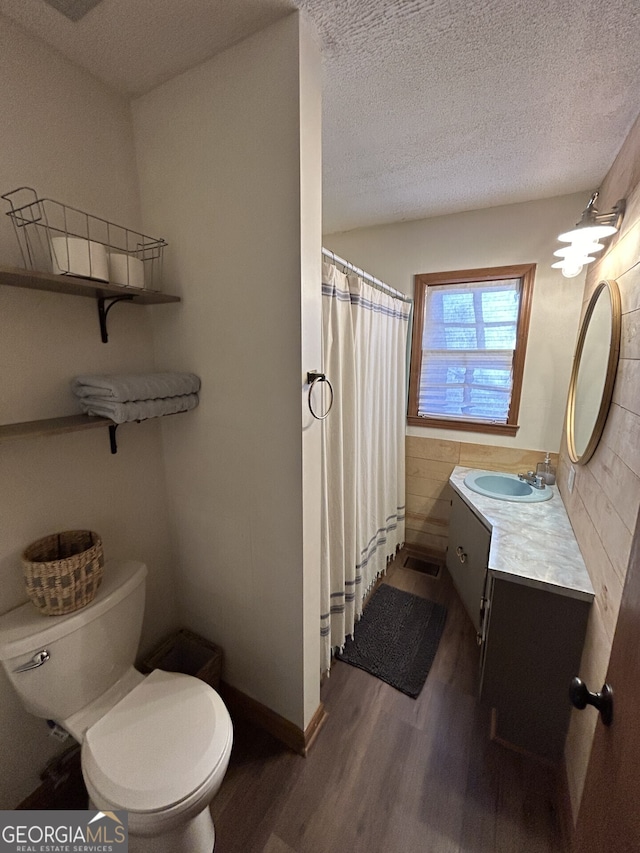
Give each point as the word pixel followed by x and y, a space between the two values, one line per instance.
pixel 159 744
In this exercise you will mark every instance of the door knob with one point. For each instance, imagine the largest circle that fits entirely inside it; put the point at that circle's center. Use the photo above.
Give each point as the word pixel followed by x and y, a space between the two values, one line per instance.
pixel 580 697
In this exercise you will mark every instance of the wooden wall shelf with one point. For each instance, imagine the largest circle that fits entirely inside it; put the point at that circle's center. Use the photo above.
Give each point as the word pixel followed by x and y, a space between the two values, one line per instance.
pixel 51 426
pixel 57 426
pixel 106 294
pixel 70 284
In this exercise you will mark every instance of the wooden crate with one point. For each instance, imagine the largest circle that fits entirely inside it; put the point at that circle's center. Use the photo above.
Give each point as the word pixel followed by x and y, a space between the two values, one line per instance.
pixel 187 652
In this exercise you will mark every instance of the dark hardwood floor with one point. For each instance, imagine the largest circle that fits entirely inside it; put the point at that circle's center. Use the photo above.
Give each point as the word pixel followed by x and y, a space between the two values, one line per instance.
pixel 390 774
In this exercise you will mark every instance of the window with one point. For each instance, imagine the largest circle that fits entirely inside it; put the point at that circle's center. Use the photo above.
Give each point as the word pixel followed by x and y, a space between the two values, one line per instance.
pixel 469 341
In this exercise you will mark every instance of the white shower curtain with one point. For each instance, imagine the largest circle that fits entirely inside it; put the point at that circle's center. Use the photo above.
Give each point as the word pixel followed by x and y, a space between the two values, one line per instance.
pixel 364 338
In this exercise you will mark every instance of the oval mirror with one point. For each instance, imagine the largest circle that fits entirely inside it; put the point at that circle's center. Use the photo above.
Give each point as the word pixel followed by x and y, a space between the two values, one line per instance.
pixel 594 372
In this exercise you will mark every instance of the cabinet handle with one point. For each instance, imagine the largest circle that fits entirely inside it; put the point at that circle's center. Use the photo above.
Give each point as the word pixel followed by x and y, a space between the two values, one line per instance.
pixel 480 634
pixel 461 555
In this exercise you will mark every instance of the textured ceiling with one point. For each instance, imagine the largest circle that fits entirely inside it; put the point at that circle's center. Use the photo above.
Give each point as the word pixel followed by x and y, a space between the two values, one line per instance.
pixel 430 106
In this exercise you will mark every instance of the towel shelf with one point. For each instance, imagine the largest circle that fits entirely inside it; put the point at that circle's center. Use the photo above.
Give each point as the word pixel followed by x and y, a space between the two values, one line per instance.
pixel 51 426
pixel 103 292
pixel 106 295
pixel 57 426
pixel 67 423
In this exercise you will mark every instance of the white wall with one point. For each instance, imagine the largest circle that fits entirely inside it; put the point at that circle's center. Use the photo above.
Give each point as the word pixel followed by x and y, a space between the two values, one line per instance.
pixel 229 162
pixel 310 100
pixel 512 234
pixel 66 135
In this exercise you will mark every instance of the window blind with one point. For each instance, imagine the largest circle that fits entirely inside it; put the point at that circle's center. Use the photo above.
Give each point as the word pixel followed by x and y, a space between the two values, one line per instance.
pixel 468 343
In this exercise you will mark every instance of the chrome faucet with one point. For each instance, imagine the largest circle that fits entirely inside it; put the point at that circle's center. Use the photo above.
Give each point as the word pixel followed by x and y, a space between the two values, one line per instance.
pixel 533 479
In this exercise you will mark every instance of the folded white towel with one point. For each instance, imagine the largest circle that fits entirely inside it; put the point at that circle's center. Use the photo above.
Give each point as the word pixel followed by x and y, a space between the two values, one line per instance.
pixel 124 388
pixel 137 410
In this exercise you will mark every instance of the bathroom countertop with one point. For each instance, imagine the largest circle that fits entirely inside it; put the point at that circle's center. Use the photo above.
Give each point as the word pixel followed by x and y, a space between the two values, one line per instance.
pixel 531 543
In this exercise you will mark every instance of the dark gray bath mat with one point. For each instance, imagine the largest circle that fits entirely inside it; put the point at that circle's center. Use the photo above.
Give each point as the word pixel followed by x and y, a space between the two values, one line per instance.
pixel 397 638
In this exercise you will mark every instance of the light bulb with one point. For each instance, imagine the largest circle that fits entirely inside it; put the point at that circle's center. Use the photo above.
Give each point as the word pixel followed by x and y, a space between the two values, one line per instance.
pixel 572 272
pixel 570 269
pixel 573 261
pixel 578 249
pixel 587 234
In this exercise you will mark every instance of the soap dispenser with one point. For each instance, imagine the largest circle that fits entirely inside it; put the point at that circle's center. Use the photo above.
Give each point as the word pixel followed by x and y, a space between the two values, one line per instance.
pixel 547 470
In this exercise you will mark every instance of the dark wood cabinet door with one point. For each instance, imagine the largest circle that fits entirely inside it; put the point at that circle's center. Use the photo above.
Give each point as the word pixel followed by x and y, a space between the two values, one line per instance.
pixel 609 818
pixel 467 558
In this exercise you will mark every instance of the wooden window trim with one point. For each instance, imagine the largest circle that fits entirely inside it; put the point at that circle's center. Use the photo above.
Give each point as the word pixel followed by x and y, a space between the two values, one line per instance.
pixel 526 272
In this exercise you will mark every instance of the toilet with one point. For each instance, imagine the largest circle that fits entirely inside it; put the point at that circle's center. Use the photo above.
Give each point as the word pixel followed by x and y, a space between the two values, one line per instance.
pixel 156 746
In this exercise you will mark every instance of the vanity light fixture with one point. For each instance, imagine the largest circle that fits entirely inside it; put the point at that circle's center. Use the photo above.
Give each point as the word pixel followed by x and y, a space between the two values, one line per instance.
pixel 583 239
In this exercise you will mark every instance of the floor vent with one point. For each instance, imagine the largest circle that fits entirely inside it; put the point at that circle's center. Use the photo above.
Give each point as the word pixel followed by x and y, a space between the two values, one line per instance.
pixel 423 566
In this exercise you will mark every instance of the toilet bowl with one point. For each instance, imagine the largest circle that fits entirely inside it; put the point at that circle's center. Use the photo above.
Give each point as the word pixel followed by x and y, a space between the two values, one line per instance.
pixel 160 754
pixel 155 746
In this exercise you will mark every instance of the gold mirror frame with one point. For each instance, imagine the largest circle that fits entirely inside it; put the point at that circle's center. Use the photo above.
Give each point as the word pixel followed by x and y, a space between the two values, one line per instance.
pixel 612 367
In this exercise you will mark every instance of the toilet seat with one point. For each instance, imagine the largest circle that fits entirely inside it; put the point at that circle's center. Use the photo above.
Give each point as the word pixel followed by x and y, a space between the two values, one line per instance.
pixel 159 744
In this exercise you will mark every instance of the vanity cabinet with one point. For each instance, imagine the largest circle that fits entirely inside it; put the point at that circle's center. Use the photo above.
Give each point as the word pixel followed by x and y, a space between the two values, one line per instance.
pixel 467 559
pixel 530 638
pixel 532 650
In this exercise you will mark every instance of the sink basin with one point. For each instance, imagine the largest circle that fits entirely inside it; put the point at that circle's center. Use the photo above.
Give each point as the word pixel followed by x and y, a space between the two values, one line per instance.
pixel 505 487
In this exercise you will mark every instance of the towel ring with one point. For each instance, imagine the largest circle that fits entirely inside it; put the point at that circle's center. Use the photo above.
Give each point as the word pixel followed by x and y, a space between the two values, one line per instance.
pixel 313 378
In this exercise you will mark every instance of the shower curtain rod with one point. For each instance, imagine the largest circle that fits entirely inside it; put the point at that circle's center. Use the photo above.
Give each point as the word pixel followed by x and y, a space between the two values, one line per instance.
pixel 386 288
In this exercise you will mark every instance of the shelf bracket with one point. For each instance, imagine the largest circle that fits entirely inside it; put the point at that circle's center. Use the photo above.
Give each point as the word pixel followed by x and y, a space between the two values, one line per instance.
pixel 112 438
pixel 103 310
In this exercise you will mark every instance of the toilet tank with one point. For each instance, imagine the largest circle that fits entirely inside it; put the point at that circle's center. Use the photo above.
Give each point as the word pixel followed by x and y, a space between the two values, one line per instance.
pixel 89 650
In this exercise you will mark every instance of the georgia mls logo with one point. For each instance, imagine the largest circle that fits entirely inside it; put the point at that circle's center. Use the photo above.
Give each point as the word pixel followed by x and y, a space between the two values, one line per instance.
pixel 101 835
pixel 63 832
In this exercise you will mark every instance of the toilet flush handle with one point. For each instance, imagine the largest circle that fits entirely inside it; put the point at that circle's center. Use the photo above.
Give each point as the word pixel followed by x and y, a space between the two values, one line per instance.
pixel 37 660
